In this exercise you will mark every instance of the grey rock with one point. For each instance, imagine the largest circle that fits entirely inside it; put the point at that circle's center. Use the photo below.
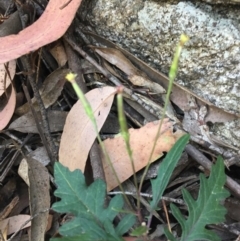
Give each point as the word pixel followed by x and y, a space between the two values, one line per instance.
pixel 210 61
pixel 222 1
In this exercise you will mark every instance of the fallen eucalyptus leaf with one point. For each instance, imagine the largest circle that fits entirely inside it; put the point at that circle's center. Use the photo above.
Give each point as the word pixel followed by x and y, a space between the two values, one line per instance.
pixel 53 23
pixel 49 91
pixel 78 133
pixel 26 123
pixel 39 198
pixel 136 76
pixel 141 142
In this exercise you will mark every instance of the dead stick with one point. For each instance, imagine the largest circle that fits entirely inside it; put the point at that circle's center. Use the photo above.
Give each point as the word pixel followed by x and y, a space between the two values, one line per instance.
pixel 26 62
pixel 39 127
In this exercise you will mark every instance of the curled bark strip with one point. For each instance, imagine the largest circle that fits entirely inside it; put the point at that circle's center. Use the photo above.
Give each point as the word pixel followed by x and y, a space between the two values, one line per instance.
pixel 49 27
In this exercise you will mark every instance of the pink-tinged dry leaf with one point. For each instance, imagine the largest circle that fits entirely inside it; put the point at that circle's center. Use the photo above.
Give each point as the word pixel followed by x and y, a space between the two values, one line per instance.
pixel 49 27
pixel 15 222
pixel 5 79
pixel 6 111
pixel 141 141
pixel 78 133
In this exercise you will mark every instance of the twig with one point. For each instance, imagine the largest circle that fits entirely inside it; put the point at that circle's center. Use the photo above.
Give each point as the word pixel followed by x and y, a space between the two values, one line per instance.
pixel 20 142
pixel 38 124
pixel 65 4
pixel 168 199
pixel 52 148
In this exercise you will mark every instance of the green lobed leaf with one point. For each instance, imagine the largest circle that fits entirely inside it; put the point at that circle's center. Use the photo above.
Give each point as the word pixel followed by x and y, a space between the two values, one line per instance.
pixel 82 226
pixel 86 238
pixel 74 238
pixel 110 213
pixel 92 221
pixel 165 170
pixel 207 209
pixel 125 224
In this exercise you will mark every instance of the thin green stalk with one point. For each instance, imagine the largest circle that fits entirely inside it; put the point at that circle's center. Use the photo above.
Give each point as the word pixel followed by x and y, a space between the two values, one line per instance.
pixel 172 76
pixel 126 137
pixel 88 109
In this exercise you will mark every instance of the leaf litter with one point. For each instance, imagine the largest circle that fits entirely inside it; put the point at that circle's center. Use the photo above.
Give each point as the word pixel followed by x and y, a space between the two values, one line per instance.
pixel 49 91
pixel 7 72
pixel 78 135
pixel 135 76
pixel 26 122
pixel 7 106
pixel 141 141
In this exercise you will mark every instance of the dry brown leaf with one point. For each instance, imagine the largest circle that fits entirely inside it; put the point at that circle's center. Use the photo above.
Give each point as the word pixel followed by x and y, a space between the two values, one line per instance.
pixel 41 155
pixel 141 141
pixel 14 223
pixel 232 204
pixel 137 77
pixel 178 95
pixel 26 123
pixel 53 23
pixel 50 221
pixel 8 209
pixel 7 110
pixel 78 133
pixel 8 198
pixel 49 91
pixel 39 198
pixel 4 231
pixel 58 52
pixel 5 79
pixel 23 171
pixel 22 193
pixel 12 25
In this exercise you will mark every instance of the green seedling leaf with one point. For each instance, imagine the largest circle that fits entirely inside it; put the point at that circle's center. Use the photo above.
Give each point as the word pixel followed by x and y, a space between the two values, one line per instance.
pixel 207 209
pixel 165 170
pixel 139 231
pixel 92 220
